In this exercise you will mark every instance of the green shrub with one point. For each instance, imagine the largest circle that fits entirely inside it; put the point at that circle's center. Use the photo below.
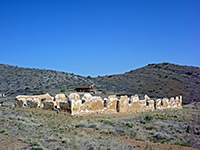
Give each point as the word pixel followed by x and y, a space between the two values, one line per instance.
pixel 151 91
pixel 62 90
pixel 154 141
pixel 177 143
pixel 37 148
pixel 35 143
pixel 162 141
pixel 89 77
pixel 129 125
pixel 148 118
pixel 7 128
pixel 108 122
pixel 2 131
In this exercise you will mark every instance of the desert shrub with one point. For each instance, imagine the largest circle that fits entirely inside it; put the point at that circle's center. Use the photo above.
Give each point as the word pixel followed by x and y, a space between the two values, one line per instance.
pixel 35 143
pixel 64 141
pixel 185 144
pixel 129 125
pixel 149 128
pixel 151 91
pixel 154 141
pixel 89 77
pixel 62 90
pixel 37 148
pixel 163 141
pixel 148 118
pixel 133 134
pixel 7 128
pixel 2 131
pixel 108 122
pixel 162 126
pixel 120 132
pixel 177 143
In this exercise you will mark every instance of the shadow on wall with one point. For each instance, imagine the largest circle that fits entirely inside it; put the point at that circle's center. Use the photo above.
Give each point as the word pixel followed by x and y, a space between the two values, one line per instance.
pixel 75 105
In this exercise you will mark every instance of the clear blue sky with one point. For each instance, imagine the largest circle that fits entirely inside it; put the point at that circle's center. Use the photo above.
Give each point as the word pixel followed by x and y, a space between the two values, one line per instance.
pixel 99 37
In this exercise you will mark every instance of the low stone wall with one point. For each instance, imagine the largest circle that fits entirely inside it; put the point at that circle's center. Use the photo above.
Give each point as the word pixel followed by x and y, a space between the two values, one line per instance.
pixel 95 104
pixel 19 103
pixel 123 105
pixel 65 106
pixel 59 98
pixel 171 103
pixel 32 103
pixel 49 105
pixel 40 98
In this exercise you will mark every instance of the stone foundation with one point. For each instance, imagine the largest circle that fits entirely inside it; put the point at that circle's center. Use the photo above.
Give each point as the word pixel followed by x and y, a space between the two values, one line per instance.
pixel 95 104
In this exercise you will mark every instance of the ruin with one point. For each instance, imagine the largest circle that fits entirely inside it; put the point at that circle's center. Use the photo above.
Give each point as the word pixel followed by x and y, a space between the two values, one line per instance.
pixel 40 98
pixel 75 105
pixel 85 89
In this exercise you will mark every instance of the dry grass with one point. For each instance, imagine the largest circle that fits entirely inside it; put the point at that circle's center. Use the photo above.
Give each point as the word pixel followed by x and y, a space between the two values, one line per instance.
pixel 43 129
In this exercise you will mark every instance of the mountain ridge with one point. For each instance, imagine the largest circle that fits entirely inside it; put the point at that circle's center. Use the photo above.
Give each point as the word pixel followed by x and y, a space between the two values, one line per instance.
pixel 157 80
pixel 164 79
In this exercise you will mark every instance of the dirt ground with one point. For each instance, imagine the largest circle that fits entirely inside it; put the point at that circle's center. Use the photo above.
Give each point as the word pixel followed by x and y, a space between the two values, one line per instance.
pixel 37 129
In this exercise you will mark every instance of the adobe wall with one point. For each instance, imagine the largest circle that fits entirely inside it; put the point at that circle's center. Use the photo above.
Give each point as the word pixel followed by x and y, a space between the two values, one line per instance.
pixel 171 103
pixel 76 105
pixel 40 98
pixel 59 98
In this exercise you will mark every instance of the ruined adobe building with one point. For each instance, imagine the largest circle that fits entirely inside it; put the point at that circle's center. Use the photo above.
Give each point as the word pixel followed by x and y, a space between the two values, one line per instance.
pixel 75 105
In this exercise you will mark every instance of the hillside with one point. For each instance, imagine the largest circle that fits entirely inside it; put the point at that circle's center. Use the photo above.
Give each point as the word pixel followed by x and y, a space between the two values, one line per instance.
pixel 164 79
pixel 17 80
pixel 155 80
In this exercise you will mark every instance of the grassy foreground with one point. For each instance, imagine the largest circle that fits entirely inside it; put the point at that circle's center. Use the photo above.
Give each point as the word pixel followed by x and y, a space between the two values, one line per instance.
pixel 39 129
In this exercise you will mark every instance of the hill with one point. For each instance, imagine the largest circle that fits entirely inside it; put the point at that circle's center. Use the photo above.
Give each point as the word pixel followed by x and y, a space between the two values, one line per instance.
pixel 17 80
pixel 155 80
pixel 164 79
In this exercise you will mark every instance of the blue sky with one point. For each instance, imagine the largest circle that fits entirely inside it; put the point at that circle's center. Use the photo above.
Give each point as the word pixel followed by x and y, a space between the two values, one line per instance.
pixel 99 37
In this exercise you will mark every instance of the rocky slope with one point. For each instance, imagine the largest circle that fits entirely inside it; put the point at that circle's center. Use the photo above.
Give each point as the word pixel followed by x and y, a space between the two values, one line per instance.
pixel 17 80
pixel 164 79
pixel 155 80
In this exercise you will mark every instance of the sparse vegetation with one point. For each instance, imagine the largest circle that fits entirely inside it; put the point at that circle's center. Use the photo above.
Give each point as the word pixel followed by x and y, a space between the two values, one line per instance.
pixel 2 131
pixel 62 90
pixel 148 118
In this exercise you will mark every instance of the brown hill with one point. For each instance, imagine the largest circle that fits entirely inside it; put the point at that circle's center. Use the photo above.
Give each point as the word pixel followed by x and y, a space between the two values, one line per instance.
pixel 164 79
pixel 17 80
pixel 155 80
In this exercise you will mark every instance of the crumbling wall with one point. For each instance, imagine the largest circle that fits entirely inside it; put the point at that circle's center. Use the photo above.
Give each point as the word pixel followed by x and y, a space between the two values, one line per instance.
pixel 111 104
pixel 41 98
pixel 49 105
pixel 150 105
pixel 19 103
pixel 135 106
pixel 65 106
pixel 86 97
pixel 59 98
pixel 171 103
pixel 95 104
pixel 32 103
pixel 123 104
pixel 74 96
